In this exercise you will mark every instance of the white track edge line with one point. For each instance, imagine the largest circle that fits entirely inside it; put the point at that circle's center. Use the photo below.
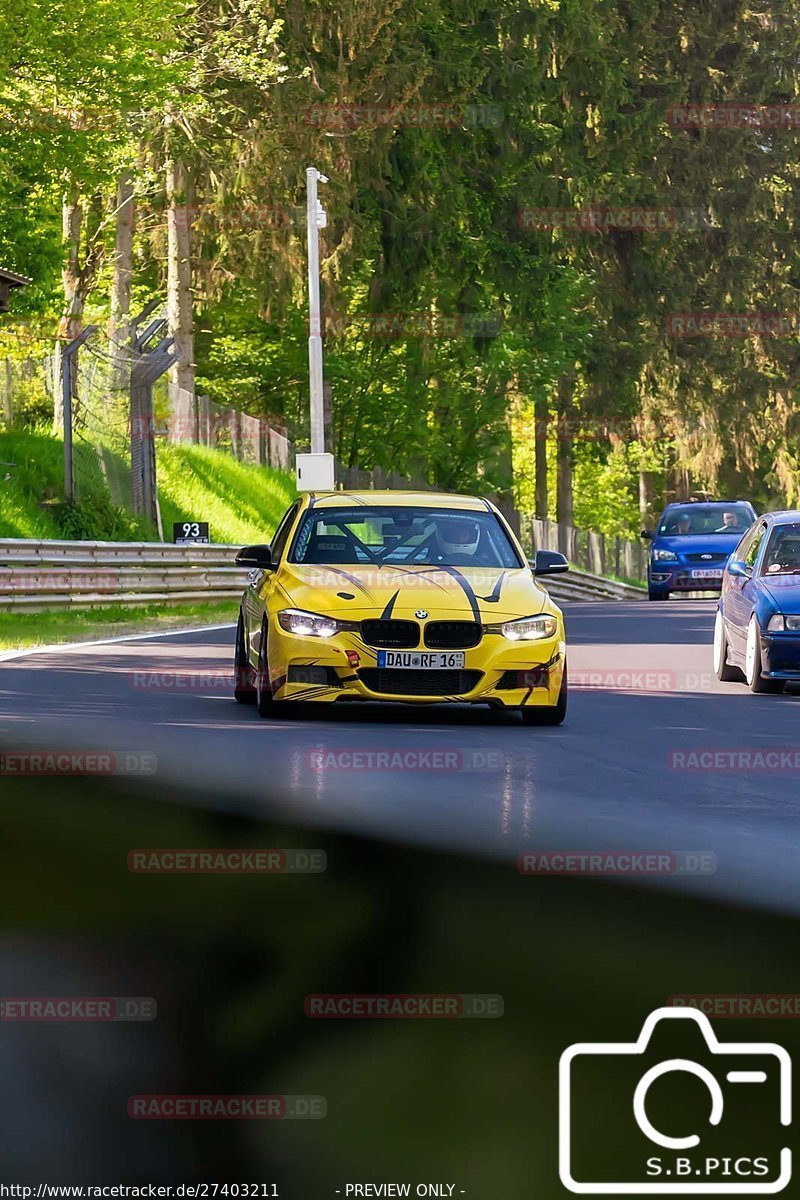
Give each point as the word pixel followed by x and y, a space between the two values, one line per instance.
pixel 23 652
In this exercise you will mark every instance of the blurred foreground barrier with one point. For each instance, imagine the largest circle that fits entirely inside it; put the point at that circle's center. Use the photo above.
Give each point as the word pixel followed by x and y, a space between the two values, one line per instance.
pixel 234 968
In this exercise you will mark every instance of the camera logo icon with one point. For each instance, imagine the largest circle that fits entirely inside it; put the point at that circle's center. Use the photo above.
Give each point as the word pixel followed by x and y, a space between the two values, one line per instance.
pixel 633 1123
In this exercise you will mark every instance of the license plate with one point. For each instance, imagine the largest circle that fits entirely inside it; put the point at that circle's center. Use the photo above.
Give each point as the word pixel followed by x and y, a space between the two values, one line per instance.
pixel 417 660
pixel 707 573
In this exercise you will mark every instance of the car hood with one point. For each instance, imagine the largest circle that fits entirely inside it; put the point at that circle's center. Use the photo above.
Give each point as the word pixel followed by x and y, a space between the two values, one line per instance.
pixel 484 594
pixel 708 543
pixel 785 591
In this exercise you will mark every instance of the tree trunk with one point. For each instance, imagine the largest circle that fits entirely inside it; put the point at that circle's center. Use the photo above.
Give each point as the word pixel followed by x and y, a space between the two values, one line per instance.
pixel 72 312
pixel 646 498
pixel 541 416
pixel 565 452
pixel 123 260
pixel 183 423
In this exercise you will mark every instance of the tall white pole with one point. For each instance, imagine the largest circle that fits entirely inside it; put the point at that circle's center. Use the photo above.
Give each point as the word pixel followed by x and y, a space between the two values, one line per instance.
pixel 313 214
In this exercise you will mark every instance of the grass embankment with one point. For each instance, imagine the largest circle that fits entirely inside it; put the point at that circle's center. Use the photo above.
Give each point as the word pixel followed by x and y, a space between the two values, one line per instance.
pixel 18 630
pixel 242 503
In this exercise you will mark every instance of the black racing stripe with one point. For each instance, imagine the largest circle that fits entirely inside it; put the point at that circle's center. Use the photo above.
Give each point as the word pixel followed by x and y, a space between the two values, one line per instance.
pixel 356 582
pixel 466 588
pixel 355 499
pixel 495 592
pixel 425 571
pixel 387 612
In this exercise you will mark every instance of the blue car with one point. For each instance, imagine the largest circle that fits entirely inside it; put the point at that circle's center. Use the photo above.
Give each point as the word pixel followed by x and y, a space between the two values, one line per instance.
pixel 757 628
pixel 692 543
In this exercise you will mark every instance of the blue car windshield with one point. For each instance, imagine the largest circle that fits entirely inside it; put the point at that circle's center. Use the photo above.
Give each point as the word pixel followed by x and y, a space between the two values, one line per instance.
pixel 699 520
pixel 782 555
pixel 390 535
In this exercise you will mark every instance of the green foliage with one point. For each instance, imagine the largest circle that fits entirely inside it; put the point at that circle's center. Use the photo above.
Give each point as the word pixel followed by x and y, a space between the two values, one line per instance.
pixel 242 503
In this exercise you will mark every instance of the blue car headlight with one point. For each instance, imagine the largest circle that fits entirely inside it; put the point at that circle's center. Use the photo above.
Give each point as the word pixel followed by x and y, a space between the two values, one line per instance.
pixel 664 556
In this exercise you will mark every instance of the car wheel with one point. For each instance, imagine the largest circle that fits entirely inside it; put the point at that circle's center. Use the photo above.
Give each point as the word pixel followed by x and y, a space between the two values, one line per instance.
pixel 653 594
pixel 722 668
pixel 264 702
pixel 752 662
pixel 244 691
pixel 550 714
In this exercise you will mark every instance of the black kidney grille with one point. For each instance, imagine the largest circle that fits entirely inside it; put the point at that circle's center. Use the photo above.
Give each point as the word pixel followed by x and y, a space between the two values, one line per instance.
pixel 418 683
pixel 393 635
pixel 452 635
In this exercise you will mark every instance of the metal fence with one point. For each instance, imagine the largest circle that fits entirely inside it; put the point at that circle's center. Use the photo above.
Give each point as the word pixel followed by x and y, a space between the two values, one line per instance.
pixel 593 552
pixel 37 575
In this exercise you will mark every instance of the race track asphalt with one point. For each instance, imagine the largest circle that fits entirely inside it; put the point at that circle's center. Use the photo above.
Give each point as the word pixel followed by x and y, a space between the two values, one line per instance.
pixel 642 695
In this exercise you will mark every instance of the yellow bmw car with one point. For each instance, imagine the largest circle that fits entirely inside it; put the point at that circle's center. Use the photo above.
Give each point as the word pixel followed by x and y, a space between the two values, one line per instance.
pixel 405 597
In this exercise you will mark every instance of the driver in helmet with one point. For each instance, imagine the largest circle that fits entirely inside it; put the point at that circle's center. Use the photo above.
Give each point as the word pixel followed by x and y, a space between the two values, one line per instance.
pixel 458 542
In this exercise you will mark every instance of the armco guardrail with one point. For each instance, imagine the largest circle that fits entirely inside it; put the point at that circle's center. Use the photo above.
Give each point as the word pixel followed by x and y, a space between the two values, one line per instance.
pixel 580 585
pixel 38 575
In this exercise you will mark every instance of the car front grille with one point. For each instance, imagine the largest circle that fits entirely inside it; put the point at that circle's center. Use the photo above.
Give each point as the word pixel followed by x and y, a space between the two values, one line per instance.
pixel 452 635
pixel 707 558
pixel 418 683
pixel 393 635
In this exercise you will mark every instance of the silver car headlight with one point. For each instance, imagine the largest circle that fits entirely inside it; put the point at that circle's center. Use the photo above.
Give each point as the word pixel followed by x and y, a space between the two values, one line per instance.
pixel 528 629
pixel 778 623
pixel 664 556
pixel 306 624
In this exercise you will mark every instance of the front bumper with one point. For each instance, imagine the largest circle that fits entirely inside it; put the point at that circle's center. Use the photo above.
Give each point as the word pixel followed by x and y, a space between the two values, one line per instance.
pixel 780 655
pixel 678 578
pixel 489 669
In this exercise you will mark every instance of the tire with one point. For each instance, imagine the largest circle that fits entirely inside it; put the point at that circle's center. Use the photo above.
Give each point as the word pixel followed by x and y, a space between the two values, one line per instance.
pixel 264 702
pixel 244 691
pixel 722 668
pixel 551 714
pixel 656 594
pixel 752 663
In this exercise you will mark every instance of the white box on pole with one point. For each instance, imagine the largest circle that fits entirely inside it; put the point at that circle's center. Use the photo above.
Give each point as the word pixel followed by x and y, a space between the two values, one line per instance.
pixel 315 472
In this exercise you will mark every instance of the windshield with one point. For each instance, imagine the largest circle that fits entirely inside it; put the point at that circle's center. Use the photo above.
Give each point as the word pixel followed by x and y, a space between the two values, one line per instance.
pixel 391 535
pixel 782 556
pixel 698 519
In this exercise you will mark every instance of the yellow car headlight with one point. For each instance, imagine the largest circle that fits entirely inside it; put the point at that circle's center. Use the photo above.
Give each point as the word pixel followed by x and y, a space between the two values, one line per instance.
pixel 306 624
pixel 528 629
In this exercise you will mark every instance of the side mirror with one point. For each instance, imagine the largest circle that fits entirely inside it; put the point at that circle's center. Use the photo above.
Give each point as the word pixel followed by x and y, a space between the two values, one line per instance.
pixel 739 569
pixel 549 562
pixel 647 535
pixel 257 557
